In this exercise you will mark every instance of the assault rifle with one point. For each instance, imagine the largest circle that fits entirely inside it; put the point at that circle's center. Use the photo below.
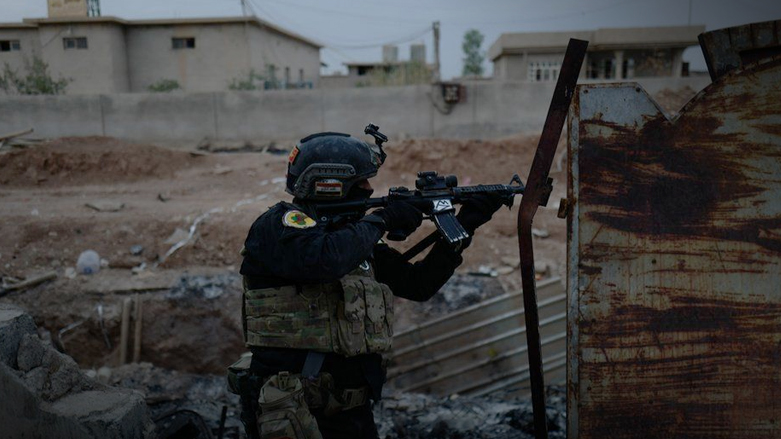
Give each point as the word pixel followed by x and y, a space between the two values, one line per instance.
pixel 435 196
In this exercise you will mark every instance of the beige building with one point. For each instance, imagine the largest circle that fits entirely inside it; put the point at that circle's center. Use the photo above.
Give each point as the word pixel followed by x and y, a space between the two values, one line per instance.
pixel 112 55
pixel 389 71
pixel 616 53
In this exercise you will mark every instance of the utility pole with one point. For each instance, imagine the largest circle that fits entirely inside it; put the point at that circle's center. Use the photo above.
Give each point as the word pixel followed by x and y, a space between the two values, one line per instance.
pixel 437 73
pixel 246 36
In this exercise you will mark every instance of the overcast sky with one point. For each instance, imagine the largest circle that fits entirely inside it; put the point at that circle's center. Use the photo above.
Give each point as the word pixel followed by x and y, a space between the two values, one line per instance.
pixel 355 30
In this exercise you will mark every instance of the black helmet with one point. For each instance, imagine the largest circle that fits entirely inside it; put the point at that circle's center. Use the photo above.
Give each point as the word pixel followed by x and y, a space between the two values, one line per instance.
pixel 325 166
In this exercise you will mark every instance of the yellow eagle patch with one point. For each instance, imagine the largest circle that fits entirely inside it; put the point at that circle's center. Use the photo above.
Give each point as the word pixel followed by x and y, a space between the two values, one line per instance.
pixel 298 220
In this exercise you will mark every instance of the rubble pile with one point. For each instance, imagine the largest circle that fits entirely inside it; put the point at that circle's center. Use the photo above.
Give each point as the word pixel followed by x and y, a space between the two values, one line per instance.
pixel 45 393
pixel 169 393
pixel 417 416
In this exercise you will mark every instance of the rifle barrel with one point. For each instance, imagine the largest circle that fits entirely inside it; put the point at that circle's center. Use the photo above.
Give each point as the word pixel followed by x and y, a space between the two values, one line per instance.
pixel 457 193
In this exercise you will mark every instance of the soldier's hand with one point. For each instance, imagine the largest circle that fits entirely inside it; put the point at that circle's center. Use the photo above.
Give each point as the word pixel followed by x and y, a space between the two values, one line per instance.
pixel 478 210
pixel 401 219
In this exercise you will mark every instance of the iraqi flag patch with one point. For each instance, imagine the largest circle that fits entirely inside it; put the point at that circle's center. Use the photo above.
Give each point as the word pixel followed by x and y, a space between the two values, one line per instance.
pixel 329 187
pixel 297 220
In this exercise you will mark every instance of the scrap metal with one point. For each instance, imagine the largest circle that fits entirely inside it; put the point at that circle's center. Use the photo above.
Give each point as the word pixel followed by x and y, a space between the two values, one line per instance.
pixel 538 189
pixel 674 257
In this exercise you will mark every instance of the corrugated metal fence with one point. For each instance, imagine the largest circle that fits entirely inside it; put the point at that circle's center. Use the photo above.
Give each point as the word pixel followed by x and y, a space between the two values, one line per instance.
pixel 481 349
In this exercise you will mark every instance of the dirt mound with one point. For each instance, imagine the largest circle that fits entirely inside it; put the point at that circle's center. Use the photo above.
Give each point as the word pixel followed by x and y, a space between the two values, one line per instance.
pixel 473 161
pixel 89 160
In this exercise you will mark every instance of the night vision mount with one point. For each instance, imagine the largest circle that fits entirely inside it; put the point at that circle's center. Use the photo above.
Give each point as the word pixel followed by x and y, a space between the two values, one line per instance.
pixel 379 138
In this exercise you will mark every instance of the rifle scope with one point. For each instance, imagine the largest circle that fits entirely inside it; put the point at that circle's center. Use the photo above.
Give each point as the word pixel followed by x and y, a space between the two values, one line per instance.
pixel 430 180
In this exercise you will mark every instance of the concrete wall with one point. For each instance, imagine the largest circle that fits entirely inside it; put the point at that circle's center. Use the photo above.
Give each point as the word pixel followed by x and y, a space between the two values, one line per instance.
pixel 488 110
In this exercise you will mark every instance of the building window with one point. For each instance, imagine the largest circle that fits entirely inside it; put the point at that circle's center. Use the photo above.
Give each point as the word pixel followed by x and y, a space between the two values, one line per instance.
pixel 628 68
pixel 183 43
pixel 592 70
pixel 287 76
pixel 74 43
pixel 608 68
pixel 301 76
pixel 10 46
pixel 543 71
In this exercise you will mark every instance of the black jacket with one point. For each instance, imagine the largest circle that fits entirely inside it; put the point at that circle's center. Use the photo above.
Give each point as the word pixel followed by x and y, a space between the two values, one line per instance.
pixel 276 254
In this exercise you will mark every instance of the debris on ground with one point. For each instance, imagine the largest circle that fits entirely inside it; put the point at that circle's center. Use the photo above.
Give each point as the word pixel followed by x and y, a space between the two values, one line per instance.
pixel 15 140
pixel 418 416
pixel 105 205
pixel 9 285
pixel 88 262
pixel 168 392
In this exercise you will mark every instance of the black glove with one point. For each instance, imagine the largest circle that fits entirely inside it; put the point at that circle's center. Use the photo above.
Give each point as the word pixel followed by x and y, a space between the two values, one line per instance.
pixel 477 210
pixel 401 219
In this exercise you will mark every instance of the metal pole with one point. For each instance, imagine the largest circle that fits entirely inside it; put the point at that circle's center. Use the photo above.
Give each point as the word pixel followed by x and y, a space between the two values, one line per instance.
pixel 538 188
pixel 124 331
pixel 437 73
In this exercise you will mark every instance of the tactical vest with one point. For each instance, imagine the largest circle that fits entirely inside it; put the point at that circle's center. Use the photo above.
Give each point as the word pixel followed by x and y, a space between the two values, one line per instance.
pixel 351 316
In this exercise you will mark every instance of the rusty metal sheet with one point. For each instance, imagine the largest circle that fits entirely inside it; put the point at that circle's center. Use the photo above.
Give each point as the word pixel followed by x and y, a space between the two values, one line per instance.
pixel 734 47
pixel 674 262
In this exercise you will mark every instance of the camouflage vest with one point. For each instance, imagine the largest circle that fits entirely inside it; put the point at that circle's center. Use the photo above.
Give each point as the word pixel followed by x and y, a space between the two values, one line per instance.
pixel 349 317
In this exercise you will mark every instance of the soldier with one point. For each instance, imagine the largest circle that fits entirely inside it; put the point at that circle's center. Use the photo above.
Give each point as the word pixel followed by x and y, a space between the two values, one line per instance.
pixel 318 294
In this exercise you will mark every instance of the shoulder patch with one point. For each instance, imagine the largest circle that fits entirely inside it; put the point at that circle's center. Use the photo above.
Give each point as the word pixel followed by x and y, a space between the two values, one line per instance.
pixel 297 220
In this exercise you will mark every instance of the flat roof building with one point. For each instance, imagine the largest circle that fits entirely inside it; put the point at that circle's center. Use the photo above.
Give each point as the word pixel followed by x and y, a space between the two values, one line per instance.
pixel 112 55
pixel 614 53
pixel 389 71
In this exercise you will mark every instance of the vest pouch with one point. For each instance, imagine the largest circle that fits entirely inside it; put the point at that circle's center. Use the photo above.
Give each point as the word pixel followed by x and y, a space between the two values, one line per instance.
pixel 378 332
pixel 284 318
pixel 350 316
pixel 283 411
pixel 238 374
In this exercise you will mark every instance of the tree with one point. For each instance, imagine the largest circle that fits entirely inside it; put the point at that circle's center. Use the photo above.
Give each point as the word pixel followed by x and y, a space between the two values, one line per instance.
pixel 473 57
pixel 36 80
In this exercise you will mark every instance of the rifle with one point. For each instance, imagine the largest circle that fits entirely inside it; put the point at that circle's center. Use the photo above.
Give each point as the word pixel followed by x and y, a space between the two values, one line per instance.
pixel 436 196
